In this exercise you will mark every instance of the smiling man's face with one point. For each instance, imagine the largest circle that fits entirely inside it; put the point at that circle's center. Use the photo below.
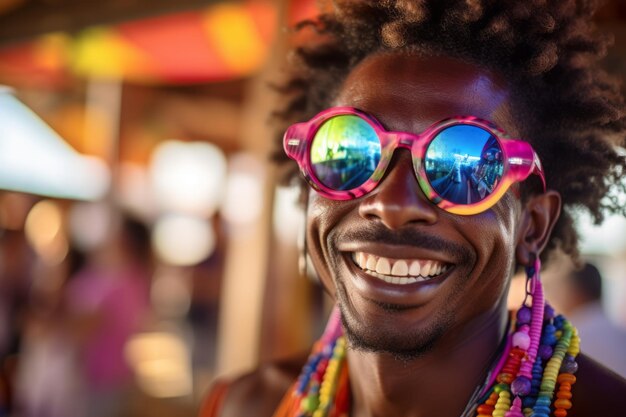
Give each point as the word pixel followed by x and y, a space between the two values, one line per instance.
pixel 464 261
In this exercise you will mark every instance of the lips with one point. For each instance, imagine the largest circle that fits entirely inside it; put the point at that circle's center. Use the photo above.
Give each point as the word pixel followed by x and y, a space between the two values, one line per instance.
pixel 399 271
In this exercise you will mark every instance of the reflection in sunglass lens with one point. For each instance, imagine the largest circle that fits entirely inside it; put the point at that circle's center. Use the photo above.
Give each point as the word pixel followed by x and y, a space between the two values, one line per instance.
pixel 464 164
pixel 345 152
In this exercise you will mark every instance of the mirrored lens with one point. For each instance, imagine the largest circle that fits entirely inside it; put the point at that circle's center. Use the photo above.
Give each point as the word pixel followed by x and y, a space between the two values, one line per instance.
pixel 464 164
pixel 345 152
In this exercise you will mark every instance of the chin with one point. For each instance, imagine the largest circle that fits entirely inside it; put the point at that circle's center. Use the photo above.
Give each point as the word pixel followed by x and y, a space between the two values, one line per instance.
pixel 389 335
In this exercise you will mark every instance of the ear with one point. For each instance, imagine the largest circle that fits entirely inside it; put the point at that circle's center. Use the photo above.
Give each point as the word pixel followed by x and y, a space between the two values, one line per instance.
pixel 538 218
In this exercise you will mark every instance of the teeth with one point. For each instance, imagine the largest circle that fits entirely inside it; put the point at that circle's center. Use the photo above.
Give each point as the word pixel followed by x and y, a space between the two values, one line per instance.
pixel 396 280
pixel 359 258
pixel 371 263
pixel 398 271
pixel 414 270
pixel 383 266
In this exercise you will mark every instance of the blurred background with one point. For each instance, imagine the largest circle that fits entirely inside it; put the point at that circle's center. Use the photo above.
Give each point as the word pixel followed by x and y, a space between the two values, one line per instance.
pixel 145 248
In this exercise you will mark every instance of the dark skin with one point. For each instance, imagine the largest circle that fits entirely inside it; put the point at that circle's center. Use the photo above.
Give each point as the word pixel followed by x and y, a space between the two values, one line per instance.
pixel 451 325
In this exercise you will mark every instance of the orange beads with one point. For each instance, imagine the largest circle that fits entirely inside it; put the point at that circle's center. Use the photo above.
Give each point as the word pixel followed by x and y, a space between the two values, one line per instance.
pixel 566 378
pixel 485 409
pixel 564 394
pixel 563 403
pixel 493 398
pixel 560 403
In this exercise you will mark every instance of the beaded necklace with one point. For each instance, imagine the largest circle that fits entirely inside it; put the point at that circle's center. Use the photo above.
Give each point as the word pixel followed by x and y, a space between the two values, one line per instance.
pixel 540 353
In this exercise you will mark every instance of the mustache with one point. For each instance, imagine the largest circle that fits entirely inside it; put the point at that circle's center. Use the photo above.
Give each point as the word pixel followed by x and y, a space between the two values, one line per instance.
pixel 410 237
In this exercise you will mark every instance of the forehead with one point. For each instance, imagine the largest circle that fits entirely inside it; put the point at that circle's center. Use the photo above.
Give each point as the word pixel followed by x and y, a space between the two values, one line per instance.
pixel 410 92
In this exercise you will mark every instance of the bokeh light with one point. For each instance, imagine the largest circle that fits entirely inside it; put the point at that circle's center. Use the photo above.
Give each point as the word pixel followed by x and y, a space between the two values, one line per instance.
pixel 243 201
pixel 162 364
pixel 183 240
pixel 288 216
pixel 188 177
pixel 89 224
pixel 44 231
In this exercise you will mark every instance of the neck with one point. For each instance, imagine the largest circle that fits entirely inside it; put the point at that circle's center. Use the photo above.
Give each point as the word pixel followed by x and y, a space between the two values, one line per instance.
pixel 440 382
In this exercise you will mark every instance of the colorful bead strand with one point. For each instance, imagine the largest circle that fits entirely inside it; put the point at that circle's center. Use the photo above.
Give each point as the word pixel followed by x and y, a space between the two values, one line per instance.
pixel 529 400
pixel 542 344
pixel 527 339
pixel 323 389
pixel 516 409
pixel 536 324
pixel 331 377
pixel 486 409
pixel 551 372
pixel 316 376
pixel 566 378
pixel 563 403
pixel 511 366
pixel 504 400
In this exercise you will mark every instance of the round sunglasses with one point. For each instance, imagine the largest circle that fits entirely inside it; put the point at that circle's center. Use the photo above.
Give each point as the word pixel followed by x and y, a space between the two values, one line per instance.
pixel 464 165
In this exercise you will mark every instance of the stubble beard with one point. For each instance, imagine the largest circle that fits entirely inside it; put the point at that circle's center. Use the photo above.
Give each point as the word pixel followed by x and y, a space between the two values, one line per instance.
pixel 398 342
pixel 403 345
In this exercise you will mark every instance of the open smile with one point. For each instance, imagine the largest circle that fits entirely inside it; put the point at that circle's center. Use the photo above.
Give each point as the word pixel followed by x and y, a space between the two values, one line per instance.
pixel 399 271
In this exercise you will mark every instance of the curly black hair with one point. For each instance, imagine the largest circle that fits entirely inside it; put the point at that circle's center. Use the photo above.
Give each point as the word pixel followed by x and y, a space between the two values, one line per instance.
pixel 572 112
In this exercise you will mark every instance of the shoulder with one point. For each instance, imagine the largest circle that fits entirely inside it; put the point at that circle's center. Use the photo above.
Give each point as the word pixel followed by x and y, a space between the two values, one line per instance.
pixel 257 393
pixel 598 391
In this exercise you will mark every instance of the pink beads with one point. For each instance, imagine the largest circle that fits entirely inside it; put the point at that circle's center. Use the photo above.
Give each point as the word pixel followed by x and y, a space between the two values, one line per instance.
pixel 535 324
pixel 516 409
pixel 521 338
pixel 333 327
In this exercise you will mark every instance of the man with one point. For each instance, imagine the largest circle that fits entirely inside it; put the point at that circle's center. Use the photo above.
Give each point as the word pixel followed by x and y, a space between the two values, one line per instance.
pixel 420 276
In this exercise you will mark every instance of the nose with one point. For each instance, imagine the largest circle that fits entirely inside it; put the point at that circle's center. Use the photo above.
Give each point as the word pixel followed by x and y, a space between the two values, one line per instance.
pixel 398 200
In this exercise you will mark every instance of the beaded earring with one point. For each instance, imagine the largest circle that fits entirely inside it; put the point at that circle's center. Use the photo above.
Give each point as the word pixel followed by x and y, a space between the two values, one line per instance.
pixel 543 352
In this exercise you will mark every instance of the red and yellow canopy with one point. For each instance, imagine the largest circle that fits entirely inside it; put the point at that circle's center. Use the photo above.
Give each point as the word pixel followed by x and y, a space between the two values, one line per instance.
pixel 226 40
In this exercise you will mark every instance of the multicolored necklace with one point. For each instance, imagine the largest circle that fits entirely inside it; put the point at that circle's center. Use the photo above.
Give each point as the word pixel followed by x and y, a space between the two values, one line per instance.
pixel 540 353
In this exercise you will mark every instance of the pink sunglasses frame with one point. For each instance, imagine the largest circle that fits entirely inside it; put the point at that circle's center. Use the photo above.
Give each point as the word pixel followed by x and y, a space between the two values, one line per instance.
pixel 520 160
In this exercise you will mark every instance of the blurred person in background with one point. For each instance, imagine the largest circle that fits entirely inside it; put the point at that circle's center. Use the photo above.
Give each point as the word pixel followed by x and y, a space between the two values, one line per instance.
pixel 74 362
pixel 48 383
pixel 107 302
pixel 579 295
